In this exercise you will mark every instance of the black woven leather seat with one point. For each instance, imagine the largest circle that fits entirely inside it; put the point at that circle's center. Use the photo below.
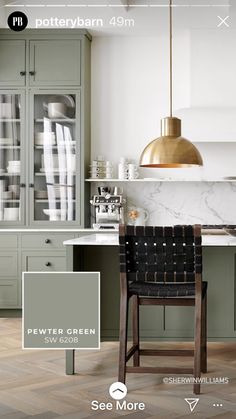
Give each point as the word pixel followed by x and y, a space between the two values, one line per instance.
pixel 153 289
pixel 161 266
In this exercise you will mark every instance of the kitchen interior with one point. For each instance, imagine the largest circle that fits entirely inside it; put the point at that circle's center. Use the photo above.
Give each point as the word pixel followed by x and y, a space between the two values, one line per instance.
pixel 73 127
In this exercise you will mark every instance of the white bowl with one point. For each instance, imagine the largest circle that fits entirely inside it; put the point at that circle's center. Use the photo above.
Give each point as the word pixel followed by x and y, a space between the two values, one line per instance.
pixel 5 110
pixel 57 110
pixel 42 138
pixel 11 214
pixel 14 163
pixel 53 214
pixel 15 170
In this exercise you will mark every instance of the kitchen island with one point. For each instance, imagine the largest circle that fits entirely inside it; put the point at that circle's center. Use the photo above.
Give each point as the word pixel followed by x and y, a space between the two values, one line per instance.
pixel 99 252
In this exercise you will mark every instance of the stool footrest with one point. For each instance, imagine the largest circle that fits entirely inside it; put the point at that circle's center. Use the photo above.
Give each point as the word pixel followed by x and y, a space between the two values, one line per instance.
pixel 159 370
pixel 131 352
pixel 166 352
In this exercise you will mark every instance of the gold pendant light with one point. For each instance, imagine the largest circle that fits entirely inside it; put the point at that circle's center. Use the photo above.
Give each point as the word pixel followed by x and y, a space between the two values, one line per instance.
pixel 171 149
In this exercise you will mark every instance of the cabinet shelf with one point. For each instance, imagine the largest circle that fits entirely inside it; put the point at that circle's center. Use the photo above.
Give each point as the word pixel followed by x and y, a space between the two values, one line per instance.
pixel 9 120
pixel 58 200
pixel 10 147
pixel 54 147
pixel 9 174
pixel 65 120
pixel 11 201
pixel 56 173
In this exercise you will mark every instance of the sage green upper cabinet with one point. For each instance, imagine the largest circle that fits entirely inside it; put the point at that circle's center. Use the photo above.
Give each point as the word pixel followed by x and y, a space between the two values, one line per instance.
pixel 55 62
pixel 13 62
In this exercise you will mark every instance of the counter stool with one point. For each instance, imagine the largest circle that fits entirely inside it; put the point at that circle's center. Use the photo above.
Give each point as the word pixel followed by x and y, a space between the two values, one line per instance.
pixel 161 266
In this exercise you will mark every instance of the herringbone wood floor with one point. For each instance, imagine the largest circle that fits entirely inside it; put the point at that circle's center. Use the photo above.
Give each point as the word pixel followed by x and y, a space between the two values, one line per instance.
pixel 33 383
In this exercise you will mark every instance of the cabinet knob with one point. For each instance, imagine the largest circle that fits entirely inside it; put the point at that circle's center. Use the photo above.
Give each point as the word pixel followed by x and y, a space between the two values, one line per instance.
pixel 32 73
pixel 47 241
pixel 48 264
pixel 22 73
pixel 22 185
pixel 31 185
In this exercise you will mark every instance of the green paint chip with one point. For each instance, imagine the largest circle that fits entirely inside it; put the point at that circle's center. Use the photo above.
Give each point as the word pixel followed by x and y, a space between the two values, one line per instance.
pixel 61 310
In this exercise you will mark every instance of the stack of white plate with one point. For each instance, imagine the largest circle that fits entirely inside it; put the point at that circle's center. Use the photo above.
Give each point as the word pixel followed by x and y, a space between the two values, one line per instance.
pixel 7 195
pixel 14 167
pixel 41 194
pixel 11 214
pixel 6 141
pixel 45 138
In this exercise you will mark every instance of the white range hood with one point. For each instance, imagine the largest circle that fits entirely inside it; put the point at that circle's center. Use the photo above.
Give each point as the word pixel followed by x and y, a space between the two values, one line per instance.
pixel 208 124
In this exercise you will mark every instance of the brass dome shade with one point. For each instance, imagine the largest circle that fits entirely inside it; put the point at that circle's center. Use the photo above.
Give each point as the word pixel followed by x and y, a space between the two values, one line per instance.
pixel 170 150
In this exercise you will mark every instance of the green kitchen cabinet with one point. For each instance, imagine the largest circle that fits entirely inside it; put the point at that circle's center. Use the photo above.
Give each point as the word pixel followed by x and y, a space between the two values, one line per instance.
pixel 9 270
pixel 44 150
pixel 44 128
pixel 55 62
pixel 12 157
pixel 219 270
pixel 13 62
pixel 44 262
pixel 169 323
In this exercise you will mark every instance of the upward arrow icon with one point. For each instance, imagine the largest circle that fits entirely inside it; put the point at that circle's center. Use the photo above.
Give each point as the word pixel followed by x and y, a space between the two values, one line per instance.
pixel 192 403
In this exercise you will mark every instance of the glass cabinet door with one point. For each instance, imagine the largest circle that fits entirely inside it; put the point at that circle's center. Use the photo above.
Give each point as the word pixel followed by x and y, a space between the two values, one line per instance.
pixel 11 150
pixel 56 137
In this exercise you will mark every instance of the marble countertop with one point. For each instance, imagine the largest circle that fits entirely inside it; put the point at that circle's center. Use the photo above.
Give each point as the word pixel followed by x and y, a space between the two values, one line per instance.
pixel 112 240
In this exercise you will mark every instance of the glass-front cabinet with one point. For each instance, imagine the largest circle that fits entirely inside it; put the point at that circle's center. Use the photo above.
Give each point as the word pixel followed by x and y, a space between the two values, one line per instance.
pixel 54 171
pixel 12 168
pixel 40 166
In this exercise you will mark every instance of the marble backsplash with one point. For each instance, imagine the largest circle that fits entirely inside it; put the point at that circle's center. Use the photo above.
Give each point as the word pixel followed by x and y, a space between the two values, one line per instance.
pixel 171 203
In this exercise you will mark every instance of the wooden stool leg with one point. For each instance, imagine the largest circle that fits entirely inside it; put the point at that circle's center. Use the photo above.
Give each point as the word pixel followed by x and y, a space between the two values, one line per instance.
pixel 197 348
pixel 123 336
pixel 135 325
pixel 204 336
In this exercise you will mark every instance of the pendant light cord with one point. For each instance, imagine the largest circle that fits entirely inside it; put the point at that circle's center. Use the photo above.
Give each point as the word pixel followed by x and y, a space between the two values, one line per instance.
pixel 171 58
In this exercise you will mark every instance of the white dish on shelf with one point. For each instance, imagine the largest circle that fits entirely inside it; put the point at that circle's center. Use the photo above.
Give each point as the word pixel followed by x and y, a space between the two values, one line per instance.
pixel 6 110
pixel 45 138
pixel 41 194
pixel 57 110
pixel 6 141
pixel 14 166
pixel 7 195
pixel 11 214
pixel 53 214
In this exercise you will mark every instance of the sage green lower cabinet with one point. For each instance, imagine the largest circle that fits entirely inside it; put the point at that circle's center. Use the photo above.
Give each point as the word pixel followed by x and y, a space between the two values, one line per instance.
pixel 219 270
pixel 42 261
pixel 169 323
pixel 45 241
pixel 44 251
pixel 28 251
pixel 8 279
pixel 9 293
pixel 9 269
